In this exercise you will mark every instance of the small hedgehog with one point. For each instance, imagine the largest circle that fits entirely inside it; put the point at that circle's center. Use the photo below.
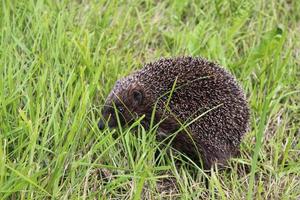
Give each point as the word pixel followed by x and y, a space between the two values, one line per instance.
pixel 194 99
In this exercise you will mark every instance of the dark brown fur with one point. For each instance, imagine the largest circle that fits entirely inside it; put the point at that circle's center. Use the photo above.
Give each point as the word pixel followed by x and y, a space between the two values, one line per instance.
pixel 200 86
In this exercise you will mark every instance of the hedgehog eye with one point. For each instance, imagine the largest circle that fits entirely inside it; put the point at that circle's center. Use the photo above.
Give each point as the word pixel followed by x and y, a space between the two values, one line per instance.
pixel 137 96
pixel 120 109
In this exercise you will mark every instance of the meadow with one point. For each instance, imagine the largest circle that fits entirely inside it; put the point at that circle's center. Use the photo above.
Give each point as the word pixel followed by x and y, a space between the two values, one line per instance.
pixel 60 59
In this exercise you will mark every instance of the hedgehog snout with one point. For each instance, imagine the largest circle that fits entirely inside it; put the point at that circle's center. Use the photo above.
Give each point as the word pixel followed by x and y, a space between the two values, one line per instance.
pixel 110 123
pixel 101 124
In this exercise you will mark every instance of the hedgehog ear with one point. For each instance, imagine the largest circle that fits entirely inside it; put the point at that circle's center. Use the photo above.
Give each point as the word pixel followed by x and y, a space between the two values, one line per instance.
pixel 137 96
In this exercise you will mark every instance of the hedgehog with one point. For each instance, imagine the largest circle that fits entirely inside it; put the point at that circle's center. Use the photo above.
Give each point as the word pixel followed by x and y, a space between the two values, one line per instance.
pixel 196 103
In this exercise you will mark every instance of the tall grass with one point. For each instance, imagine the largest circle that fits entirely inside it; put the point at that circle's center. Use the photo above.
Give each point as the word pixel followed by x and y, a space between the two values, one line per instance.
pixel 59 60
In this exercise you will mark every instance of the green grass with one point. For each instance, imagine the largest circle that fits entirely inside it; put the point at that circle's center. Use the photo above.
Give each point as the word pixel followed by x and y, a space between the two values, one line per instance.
pixel 59 60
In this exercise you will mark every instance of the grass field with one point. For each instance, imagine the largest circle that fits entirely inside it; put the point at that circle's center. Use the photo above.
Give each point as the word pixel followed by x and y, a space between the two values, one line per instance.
pixel 59 60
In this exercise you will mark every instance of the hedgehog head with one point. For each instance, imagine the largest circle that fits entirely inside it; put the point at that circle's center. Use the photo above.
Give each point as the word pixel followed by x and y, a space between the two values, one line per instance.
pixel 126 102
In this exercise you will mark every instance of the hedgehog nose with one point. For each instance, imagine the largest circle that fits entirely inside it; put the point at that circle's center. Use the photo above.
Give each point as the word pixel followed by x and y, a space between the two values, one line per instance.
pixel 101 125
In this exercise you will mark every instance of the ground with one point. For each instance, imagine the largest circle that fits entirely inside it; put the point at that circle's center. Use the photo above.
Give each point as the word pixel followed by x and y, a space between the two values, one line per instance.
pixel 59 60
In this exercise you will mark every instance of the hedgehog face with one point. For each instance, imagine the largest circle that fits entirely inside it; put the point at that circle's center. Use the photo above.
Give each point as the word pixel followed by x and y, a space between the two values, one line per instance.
pixel 124 104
